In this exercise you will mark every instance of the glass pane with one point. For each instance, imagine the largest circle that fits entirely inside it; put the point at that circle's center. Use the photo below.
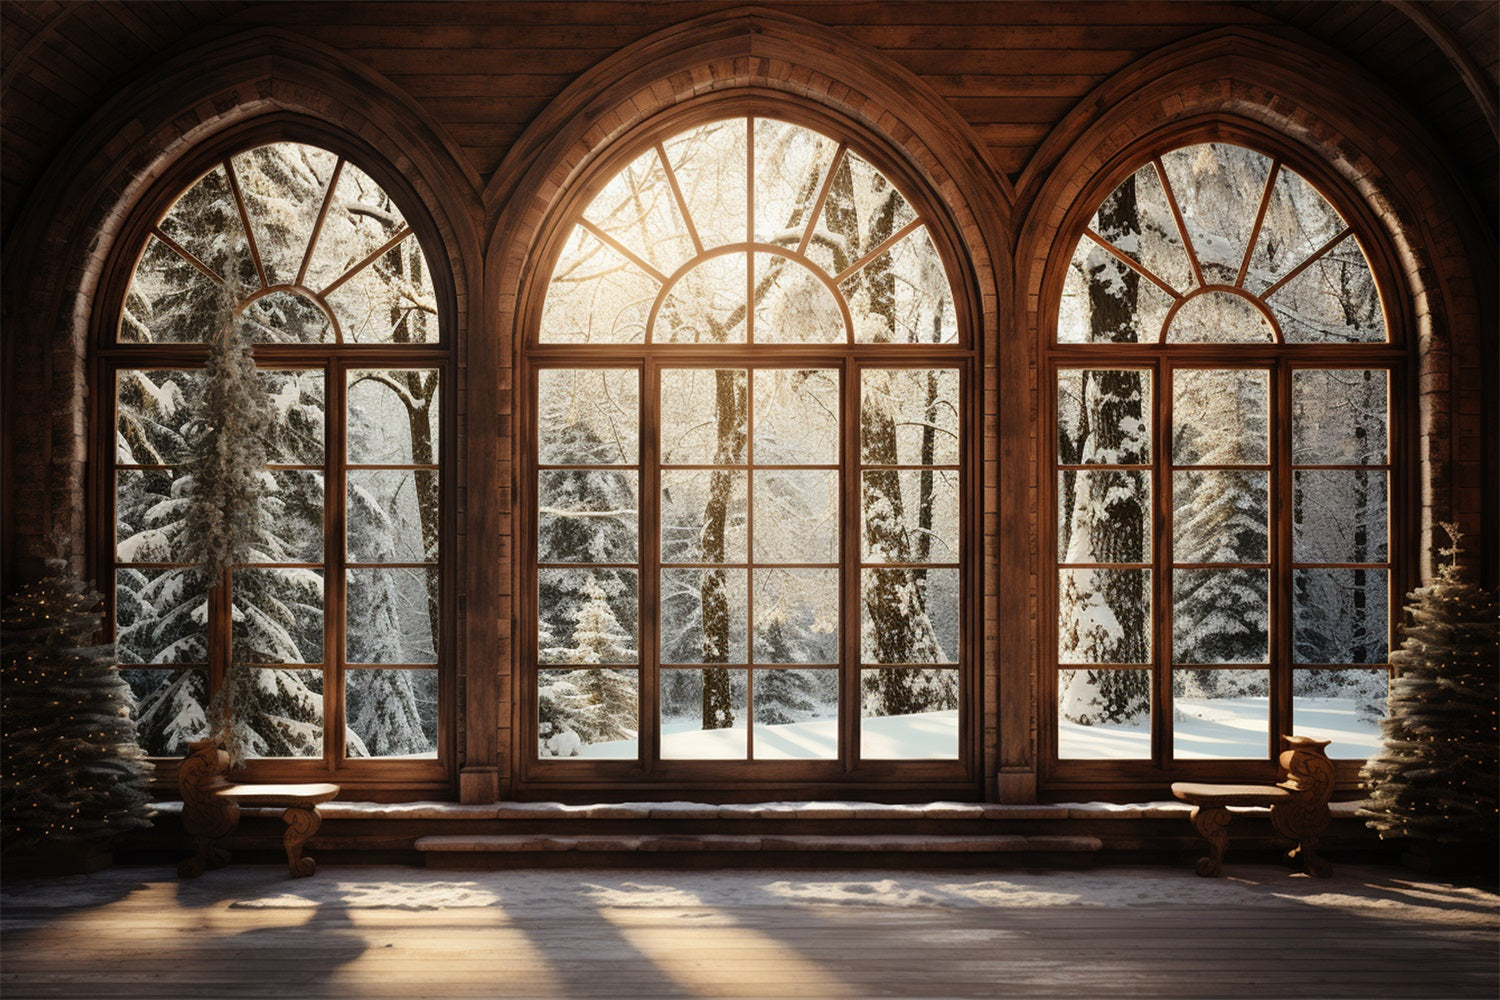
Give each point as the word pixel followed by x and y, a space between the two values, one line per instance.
pixel 171 709
pixel 1221 714
pixel 909 416
pixel 148 517
pixel 703 714
pixel 704 613
pixel 793 305
pixel 591 713
pixel 586 515
pixel 908 714
pixel 790 164
pixel 638 209
pixel 705 415
pixel 278 616
pixel 596 295
pixel 1339 615
pixel 169 301
pixel 286 716
pixel 295 507
pixel 587 615
pixel 709 162
pixel 796 616
pixel 909 516
pixel 1104 616
pixel 1334 301
pixel 393 417
pixel 1339 416
pixel 1220 317
pixel 283 185
pixel 796 516
pixel 1218 187
pixel 393 615
pixel 909 615
pixel 1339 516
pixel 392 516
pixel 154 411
pixel 286 318
pixel 1345 707
pixel 703 515
pixel 706 305
pixel 1104 301
pixel 1221 615
pixel 1220 516
pixel 861 211
pixel 391 301
pixel 796 416
pixel 1103 417
pixel 298 400
pixel 1103 516
pixel 392 713
pixel 205 222
pixel 1137 220
pixel 903 296
pixel 1104 714
pixel 588 416
pixel 1298 222
pixel 1220 416
pixel 361 219
pixel 161 616
pixel 796 714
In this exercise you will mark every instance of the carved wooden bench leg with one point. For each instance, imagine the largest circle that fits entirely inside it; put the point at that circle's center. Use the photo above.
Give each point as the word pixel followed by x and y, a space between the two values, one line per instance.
pixel 1212 822
pixel 301 824
pixel 1303 821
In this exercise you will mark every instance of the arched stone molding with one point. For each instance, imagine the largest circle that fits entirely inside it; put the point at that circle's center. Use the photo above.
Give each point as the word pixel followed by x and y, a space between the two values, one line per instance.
pixel 756 54
pixel 1345 126
pixel 71 236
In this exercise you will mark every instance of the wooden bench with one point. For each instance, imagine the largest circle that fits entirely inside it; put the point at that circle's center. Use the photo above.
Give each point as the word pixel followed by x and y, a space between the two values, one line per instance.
pixel 211 810
pixel 1299 806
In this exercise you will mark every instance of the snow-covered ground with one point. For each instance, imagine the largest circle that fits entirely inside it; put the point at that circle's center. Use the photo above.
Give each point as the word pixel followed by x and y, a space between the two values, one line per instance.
pixel 1225 727
pixel 1202 729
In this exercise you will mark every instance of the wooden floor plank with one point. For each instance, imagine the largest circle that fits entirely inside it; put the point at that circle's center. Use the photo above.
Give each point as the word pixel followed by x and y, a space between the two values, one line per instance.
pixel 1126 933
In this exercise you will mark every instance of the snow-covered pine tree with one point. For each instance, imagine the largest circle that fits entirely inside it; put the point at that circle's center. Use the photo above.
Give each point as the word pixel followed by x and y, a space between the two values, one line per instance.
pixel 226 521
pixel 609 709
pixel 781 696
pixel 72 770
pixel 1438 775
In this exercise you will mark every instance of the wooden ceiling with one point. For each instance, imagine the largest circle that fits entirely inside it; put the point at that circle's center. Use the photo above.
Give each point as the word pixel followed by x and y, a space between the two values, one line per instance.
pixel 485 70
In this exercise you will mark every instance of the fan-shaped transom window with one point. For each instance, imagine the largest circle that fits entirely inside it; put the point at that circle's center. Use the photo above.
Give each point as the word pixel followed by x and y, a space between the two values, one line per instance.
pixel 1219 244
pixel 749 230
pixel 753 554
pixel 1223 497
pixel 340 609
pixel 318 249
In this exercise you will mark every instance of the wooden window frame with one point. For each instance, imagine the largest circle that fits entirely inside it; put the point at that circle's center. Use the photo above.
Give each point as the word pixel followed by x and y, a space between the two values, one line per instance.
pixel 373 777
pixel 648 775
pixel 1072 777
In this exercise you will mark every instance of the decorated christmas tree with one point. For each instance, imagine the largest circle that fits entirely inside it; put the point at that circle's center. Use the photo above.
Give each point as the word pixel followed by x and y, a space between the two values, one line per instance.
pixel 1436 777
pixel 72 771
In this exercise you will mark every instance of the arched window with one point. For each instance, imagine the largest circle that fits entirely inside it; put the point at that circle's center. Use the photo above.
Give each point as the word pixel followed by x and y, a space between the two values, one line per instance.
pixel 1222 449
pixel 747 505
pixel 342 611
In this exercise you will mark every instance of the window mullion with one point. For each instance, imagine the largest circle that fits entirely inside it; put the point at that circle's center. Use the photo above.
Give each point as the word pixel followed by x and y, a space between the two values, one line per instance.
pixel 850 656
pixel 1162 559
pixel 336 559
pixel 1280 647
pixel 648 552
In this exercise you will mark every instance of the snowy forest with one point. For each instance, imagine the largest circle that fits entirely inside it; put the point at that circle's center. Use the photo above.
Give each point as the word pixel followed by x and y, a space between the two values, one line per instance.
pixel 750 510
pixel 1259 250
pixel 327 258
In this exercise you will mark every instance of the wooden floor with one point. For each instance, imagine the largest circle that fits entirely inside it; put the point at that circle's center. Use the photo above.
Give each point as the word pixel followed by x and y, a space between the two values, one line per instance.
pixel 248 931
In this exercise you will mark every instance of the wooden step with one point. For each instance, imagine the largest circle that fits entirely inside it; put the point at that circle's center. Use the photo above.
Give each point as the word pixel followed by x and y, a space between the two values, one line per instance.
pixel 449 850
